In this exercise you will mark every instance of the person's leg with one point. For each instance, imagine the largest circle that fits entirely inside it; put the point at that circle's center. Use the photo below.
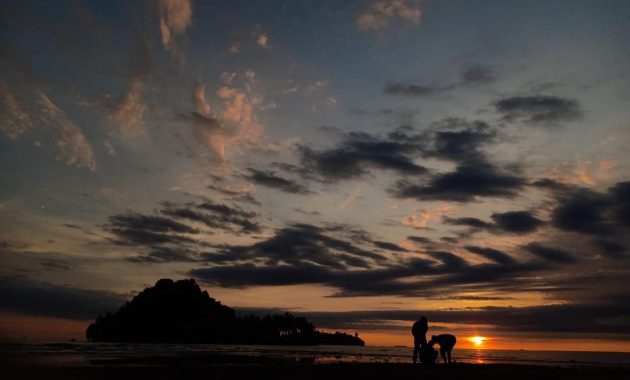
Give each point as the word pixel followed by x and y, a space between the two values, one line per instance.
pixel 416 350
pixel 448 352
pixel 443 353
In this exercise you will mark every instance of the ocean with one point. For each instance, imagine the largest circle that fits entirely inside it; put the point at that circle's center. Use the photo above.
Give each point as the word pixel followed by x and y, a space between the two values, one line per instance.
pixel 89 354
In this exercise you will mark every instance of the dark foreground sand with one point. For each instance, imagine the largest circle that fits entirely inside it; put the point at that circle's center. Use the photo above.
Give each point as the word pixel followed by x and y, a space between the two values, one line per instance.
pixel 361 371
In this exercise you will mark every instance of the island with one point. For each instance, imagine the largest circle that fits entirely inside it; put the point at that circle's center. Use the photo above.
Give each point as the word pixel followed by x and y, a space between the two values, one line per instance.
pixel 180 312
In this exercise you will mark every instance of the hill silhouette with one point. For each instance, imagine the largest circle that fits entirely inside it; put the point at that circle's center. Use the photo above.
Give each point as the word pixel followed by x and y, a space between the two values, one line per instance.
pixel 180 312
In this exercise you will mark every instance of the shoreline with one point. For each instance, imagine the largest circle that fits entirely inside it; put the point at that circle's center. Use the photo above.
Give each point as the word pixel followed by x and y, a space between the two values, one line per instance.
pixel 188 369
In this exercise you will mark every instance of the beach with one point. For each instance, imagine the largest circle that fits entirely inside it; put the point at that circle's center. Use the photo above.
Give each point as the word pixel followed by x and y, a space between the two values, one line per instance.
pixel 188 370
pixel 162 361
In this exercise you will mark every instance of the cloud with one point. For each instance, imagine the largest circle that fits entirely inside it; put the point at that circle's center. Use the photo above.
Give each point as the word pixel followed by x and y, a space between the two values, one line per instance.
pixel 620 197
pixel 550 253
pixel 468 182
pixel 160 255
pixel 539 110
pixel 129 110
pixel 71 145
pixel 469 222
pixel 14 121
pixel 339 257
pixel 410 89
pixel 582 211
pixel 381 12
pixel 420 239
pixel 272 180
pixel 175 18
pixel 300 246
pixel 229 217
pixel 519 222
pixel 22 296
pixel 471 76
pixel 604 316
pixel 477 75
pixel 460 140
pixel 138 229
pixel 263 40
pixel 491 254
pixel 358 152
pixel 177 232
pixel 515 222
pixel 236 193
pixel 389 246
pixel 421 218
pixel 233 124
pixel 611 249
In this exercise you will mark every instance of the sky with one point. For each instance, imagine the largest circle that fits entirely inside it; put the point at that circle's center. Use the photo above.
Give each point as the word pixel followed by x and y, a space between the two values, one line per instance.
pixel 360 163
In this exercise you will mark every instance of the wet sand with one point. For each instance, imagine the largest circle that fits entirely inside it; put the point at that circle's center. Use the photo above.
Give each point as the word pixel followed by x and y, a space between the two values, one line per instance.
pixel 190 370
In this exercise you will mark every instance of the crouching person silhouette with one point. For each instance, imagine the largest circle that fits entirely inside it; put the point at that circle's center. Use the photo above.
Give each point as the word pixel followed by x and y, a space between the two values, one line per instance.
pixel 419 331
pixel 446 342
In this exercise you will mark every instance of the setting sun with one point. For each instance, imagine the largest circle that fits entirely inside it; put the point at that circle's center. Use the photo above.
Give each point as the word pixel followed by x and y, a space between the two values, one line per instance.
pixel 477 340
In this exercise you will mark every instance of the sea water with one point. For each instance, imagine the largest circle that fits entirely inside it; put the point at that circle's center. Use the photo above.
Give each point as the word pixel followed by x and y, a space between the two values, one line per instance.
pixel 86 353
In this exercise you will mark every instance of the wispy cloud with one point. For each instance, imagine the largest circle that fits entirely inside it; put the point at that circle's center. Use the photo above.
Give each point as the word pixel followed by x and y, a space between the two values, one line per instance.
pixel 71 145
pixel 175 18
pixel 382 12
pixel 14 121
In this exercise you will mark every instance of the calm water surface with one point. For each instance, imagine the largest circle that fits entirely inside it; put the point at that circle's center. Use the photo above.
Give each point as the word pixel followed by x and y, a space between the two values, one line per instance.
pixel 165 354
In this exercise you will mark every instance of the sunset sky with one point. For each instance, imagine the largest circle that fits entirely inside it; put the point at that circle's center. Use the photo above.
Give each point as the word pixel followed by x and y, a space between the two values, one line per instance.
pixel 361 163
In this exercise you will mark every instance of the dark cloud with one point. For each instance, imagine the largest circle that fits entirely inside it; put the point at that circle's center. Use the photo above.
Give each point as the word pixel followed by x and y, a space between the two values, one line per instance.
pixel 56 264
pixel 217 216
pixel 620 198
pixel 459 140
pixel 586 211
pixel 134 228
pixel 304 212
pixel 582 211
pixel 411 89
pixel 611 249
pixel 539 109
pixel 272 180
pixel 492 254
pixel 359 152
pixel 389 246
pixel 477 75
pixel 300 245
pixel 550 253
pixel 474 75
pixel 603 317
pixel 514 222
pixel 452 139
pixel 160 255
pixel 22 296
pixel 468 182
pixel 519 222
pixel 235 195
pixel 307 254
pixel 469 222
pixel 420 239
pixel 168 237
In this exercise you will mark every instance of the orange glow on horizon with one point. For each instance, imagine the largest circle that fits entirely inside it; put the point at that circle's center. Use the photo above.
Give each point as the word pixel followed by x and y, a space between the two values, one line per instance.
pixel 478 341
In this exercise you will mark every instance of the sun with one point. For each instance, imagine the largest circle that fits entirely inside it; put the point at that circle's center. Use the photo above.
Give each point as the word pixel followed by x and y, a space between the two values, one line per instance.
pixel 477 340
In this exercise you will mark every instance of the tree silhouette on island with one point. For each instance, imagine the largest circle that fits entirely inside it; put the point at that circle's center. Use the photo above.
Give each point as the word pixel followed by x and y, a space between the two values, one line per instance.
pixel 180 312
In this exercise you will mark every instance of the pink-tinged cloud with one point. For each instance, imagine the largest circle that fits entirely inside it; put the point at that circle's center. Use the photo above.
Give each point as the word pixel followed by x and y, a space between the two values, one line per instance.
pixel 420 219
pixel 382 12
pixel 71 145
pixel 129 111
pixel 14 121
pixel 232 124
pixel 175 18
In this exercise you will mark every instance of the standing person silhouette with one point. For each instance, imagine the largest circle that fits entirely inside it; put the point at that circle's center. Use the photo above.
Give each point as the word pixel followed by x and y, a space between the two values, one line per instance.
pixel 419 331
